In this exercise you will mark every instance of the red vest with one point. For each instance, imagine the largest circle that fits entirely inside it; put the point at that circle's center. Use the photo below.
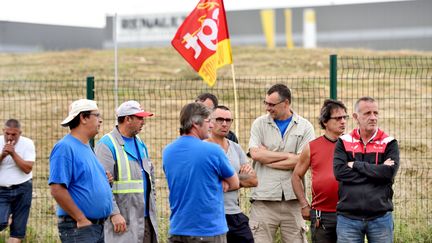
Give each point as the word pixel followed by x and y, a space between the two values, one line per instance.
pixel 324 184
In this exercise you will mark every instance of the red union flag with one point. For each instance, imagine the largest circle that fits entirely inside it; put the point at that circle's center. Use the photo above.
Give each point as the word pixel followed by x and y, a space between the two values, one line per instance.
pixel 203 39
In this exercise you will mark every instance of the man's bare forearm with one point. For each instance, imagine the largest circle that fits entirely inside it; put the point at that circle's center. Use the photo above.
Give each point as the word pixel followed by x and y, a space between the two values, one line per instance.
pixel 248 180
pixel 268 157
pixel 25 166
pixel 286 164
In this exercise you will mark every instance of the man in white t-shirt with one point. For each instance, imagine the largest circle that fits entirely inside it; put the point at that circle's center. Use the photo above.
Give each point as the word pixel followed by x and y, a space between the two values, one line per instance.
pixel 16 162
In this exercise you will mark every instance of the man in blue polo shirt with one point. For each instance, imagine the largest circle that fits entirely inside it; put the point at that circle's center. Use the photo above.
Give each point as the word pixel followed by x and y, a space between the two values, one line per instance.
pixel 198 173
pixel 77 180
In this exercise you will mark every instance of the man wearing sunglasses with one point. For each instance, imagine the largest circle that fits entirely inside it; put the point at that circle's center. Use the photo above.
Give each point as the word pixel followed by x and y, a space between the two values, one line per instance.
pixel 238 223
pixel 365 164
pixel 126 157
pixel 318 156
pixel 276 141
pixel 211 101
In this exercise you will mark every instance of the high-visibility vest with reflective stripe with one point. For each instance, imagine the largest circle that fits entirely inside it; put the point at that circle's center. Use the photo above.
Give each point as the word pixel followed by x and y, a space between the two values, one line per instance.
pixel 124 183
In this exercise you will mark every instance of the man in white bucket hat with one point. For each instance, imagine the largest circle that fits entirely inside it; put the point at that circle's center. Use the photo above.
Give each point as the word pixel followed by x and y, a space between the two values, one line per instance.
pixel 77 180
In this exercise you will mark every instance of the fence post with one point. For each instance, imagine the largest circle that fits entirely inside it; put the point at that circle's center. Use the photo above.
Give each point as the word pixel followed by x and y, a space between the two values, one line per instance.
pixel 333 76
pixel 90 96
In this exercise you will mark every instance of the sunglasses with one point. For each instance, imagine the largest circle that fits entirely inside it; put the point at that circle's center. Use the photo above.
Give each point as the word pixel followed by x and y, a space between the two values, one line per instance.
pixel 221 120
pixel 339 118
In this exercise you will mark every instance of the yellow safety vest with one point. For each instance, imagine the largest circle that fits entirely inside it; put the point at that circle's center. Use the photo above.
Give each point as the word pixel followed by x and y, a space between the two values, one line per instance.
pixel 124 183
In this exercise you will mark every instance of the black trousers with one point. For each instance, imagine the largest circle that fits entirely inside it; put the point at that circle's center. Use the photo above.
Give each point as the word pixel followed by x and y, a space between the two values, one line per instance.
pixel 325 232
pixel 238 229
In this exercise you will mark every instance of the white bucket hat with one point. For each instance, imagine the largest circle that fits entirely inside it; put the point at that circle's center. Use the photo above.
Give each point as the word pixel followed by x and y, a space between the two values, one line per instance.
pixel 79 106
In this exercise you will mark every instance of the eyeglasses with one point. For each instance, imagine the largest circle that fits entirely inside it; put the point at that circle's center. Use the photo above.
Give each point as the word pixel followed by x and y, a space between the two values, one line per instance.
pixel 271 104
pixel 339 118
pixel 97 115
pixel 221 120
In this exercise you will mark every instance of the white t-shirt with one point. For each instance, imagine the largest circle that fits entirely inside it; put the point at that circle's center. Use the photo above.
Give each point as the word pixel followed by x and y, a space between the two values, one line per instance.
pixel 237 158
pixel 10 173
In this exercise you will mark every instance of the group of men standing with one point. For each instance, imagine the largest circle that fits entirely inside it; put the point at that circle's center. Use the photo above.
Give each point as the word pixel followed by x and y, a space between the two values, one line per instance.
pixel 352 174
pixel 108 194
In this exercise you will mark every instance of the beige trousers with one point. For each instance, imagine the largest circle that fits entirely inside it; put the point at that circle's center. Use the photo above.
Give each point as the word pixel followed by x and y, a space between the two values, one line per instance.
pixel 267 216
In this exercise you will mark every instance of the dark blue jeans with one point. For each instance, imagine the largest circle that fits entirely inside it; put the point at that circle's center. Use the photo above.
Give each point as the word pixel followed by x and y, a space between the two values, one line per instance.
pixel 15 200
pixel 379 230
pixel 69 233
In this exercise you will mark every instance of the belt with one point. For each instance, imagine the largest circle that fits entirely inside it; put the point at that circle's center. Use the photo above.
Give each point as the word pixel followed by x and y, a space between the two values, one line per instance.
pixel 11 187
pixel 67 218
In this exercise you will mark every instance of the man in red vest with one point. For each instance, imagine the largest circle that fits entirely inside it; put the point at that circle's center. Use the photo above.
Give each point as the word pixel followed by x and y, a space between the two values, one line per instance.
pixel 318 155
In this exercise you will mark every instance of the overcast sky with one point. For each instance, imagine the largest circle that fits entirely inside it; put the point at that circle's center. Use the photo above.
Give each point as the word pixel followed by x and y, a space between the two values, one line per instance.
pixel 91 13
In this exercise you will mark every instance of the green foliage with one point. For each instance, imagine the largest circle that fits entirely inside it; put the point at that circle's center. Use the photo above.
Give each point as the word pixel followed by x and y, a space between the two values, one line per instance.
pixel 415 232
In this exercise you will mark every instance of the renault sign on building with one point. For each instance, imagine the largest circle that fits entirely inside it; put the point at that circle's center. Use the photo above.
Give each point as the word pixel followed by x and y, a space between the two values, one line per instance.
pixel 149 28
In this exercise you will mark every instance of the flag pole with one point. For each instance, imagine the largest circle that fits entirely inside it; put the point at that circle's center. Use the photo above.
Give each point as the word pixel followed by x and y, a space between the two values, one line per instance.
pixel 115 61
pixel 236 105
pixel 236 109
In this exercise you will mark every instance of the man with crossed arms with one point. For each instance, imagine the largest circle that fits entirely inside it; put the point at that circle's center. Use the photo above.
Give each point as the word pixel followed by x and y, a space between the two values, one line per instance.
pixel 276 141
pixel 238 223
